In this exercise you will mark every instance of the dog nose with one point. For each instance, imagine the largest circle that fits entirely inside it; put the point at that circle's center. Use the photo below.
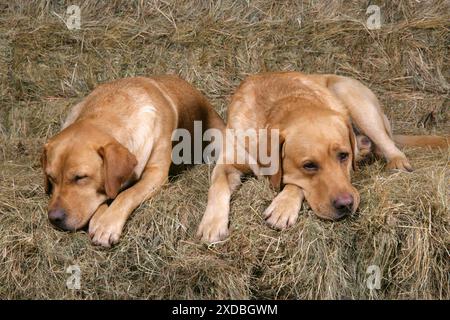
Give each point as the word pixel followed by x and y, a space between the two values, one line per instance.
pixel 57 217
pixel 343 204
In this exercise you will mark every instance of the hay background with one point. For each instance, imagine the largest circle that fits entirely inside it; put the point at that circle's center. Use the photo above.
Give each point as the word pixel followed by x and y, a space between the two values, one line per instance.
pixel 402 225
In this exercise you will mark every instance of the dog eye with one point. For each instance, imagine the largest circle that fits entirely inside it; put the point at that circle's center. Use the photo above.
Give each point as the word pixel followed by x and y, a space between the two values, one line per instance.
pixel 310 166
pixel 343 156
pixel 78 178
pixel 51 183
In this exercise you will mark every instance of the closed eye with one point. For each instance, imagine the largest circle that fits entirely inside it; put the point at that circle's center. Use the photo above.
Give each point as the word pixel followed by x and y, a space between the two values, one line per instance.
pixel 51 179
pixel 79 178
pixel 49 185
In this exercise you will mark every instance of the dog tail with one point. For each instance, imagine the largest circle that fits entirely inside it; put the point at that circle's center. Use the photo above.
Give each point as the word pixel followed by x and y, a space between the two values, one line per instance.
pixel 422 141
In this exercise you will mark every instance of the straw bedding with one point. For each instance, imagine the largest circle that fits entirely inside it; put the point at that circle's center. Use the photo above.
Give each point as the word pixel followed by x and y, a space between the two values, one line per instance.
pixel 403 221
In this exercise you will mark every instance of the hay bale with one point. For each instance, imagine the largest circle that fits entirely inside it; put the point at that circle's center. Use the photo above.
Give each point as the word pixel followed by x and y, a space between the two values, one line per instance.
pixel 402 224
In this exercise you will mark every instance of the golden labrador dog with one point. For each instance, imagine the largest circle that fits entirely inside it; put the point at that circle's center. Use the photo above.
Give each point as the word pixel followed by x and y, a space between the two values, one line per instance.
pixel 116 145
pixel 314 116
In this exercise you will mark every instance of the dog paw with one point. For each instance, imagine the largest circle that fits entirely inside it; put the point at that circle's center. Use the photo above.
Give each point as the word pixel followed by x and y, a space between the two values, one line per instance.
pixel 104 232
pixel 213 229
pixel 364 147
pixel 399 163
pixel 283 211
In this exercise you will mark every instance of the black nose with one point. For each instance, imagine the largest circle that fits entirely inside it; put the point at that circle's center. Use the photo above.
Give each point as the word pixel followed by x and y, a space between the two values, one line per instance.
pixel 343 204
pixel 58 218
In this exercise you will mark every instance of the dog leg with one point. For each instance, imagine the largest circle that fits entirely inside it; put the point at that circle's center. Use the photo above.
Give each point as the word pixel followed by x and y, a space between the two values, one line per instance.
pixel 106 225
pixel 283 211
pixel 366 113
pixel 214 224
pixel 364 147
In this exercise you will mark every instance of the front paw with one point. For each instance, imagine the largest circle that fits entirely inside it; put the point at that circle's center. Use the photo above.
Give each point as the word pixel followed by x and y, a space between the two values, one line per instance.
pixel 104 230
pixel 399 163
pixel 283 211
pixel 213 229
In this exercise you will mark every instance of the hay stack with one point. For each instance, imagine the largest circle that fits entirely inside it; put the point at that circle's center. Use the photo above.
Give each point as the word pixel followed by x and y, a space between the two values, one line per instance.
pixel 402 225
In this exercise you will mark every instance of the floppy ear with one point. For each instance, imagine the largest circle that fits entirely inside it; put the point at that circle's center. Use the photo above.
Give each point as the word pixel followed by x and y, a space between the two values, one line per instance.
pixel 353 144
pixel 47 184
pixel 277 178
pixel 118 165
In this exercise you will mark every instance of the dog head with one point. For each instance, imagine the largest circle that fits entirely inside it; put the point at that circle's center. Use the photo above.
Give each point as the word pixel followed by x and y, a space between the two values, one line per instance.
pixel 318 152
pixel 83 167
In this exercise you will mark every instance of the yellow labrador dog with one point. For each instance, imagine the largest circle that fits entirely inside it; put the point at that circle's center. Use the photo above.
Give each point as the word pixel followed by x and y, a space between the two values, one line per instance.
pixel 116 145
pixel 313 116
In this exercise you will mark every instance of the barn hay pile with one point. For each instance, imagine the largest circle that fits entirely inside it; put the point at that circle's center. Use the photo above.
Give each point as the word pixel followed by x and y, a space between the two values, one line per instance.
pixel 403 222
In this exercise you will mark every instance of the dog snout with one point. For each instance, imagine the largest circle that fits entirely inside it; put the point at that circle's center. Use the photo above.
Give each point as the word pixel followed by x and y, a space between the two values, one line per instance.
pixel 343 204
pixel 58 218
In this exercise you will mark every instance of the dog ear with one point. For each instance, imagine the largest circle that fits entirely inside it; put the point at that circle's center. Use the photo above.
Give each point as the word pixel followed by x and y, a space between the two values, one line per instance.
pixel 47 184
pixel 118 165
pixel 353 144
pixel 276 179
